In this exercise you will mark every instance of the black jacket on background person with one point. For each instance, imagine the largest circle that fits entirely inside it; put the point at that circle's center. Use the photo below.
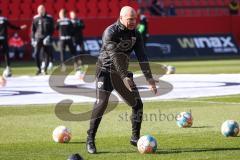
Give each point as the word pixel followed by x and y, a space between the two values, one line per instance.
pixel 42 26
pixel 65 28
pixel 118 44
pixel 4 24
pixel 78 27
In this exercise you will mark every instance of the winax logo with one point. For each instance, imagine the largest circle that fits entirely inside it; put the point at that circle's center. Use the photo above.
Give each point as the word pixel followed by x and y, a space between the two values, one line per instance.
pixel 206 42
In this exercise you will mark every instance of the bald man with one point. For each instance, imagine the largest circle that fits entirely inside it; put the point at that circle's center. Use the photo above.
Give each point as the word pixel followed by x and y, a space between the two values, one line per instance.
pixel 119 41
pixel 42 30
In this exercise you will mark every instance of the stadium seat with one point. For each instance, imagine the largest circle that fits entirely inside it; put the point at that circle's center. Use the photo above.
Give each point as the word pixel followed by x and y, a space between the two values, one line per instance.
pixel 177 3
pixel 212 3
pixel 38 1
pixel 103 8
pixel 226 2
pixel 220 3
pixel 202 3
pixel 196 12
pixel 185 3
pixel 205 12
pixel 124 3
pixel 134 4
pixel 81 8
pixel 187 12
pixel 70 6
pixel 223 12
pixel 194 3
pixel 14 9
pixel 92 8
pixel 114 8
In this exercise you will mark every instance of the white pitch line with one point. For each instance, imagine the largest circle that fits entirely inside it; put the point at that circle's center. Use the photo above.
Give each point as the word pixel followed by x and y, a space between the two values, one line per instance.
pixel 199 101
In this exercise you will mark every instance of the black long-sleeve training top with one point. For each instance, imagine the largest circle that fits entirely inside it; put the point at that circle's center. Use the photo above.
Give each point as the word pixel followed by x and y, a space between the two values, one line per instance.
pixel 118 42
pixel 4 24
pixel 42 26
pixel 65 28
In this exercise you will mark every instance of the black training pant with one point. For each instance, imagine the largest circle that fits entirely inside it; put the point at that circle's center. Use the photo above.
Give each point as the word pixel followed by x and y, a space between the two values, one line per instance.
pixel 5 49
pixel 42 52
pixel 80 42
pixel 105 83
pixel 62 46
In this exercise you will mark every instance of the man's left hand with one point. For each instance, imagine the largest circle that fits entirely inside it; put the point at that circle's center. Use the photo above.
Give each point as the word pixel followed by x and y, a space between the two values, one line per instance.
pixel 152 82
pixel 23 26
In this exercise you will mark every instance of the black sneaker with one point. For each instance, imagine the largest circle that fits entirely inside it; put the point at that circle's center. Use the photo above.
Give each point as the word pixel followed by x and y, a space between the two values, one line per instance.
pixel 91 148
pixel 75 157
pixel 134 140
pixel 38 72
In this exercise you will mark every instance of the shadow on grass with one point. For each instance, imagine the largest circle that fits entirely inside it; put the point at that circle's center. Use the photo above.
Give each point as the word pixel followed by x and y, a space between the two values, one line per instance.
pixel 202 127
pixel 77 142
pixel 117 152
pixel 184 150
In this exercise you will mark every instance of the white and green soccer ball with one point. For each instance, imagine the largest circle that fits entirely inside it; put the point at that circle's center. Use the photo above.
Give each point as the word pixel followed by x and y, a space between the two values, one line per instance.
pixel 184 119
pixel 230 128
pixel 62 134
pixel 169 69
pixel 147 144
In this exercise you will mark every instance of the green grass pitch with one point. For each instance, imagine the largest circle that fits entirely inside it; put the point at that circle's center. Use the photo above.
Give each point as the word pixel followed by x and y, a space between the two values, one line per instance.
pixel 26 132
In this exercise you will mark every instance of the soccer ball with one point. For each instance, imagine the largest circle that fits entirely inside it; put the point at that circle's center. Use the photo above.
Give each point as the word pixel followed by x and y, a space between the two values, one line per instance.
pixel 3 81
pixel 230 128
pixel 61 134
pixel 184 119
pixel 147 144
pixel 170 69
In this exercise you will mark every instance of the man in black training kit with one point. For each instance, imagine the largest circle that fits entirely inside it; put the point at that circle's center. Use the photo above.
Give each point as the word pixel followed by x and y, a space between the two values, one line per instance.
pixel 119 40
pixel 78 27
pixel 4 24
pixel 42 31
pixel 65 29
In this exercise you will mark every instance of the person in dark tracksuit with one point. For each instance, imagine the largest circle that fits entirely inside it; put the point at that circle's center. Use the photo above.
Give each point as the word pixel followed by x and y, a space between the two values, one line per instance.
pixel 143 26
pixel 78 27
pixel 119 40
pixel 65 29
pixel 42 31
pixel 4 24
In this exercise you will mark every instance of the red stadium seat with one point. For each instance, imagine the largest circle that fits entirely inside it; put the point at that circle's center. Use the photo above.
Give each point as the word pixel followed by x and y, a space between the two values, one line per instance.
pixel 14 9
pixel 220 3
pixel 114 8
pixel 167 3
pixel 124 3
pixel 92 8
pixel 223 12
pixel 205 12
pixel 203 3
pixel 81 8
pixel 38 1
pixel 187 12
pixel 226 2
pixel 134 4
pixel 4 7
pixel 60 5
pixel 70 6
pixel 185 3
pixel 180 12
pixel 177 3
pixel 212 12
pixel 103 8
pixel 211 3
pixel 194 3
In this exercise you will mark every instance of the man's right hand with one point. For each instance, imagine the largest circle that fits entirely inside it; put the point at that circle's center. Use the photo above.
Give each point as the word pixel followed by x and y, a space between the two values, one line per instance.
pixel 128 82
pixel 23 26
pixel 33 42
